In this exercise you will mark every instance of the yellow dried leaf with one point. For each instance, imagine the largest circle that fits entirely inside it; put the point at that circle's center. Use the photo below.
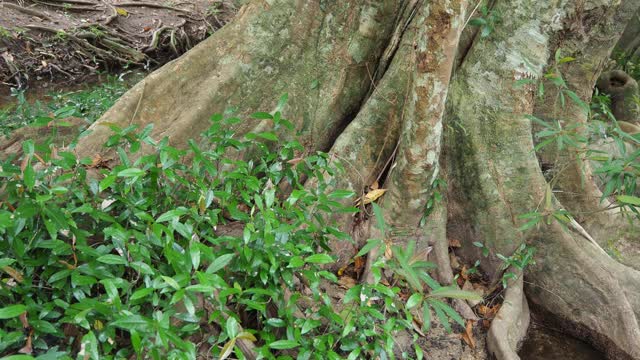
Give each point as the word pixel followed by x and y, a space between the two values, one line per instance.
pixel 388 253
pixel 467 336
pixel 370 197
pixel 122 12
pixel 17 275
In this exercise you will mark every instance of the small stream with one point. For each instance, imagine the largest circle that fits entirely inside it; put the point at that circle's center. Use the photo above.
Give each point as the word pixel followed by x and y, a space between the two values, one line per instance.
pixel 545 343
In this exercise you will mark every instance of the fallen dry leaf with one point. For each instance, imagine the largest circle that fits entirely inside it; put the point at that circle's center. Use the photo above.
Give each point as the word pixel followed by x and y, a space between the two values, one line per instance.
pixel 388 253
pixel 17 275
pixel 453 260
pixel 358 263
pixel 454 243
pixel 295 161
pixel 488 312
pixel 370 197
pixel 24 320
pixel 347 282
pixel 27 348
pixel 467 336
pixel 375 185
pixel 463 273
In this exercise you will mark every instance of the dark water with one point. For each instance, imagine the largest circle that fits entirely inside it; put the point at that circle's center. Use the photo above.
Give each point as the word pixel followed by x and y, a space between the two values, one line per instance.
pixel 544 343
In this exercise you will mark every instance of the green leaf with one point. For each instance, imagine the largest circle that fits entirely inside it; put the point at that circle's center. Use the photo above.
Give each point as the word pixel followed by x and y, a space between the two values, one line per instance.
pixel 18 357
pixel 455 293
pixel 6 262
pixel 268 135
pixel 29 177
pixel 284 344
pixel 132 321
pixel 232 327
pixel 90 344
pixel 319 259
pixel 413 300
pixel 220 263
pixel 342 194
pixel 112 259
pixel 169 280
pixel 627 199
pixel 107 182
pixel 379 216
pixel 296 262
pixel 437 304
pixel 576 99
pixel 131 172
pixel 262 115
pixel 442 317
pixel 282 102
pixel 426 315
pixel 370 245
pixel 566 59
pixel 227 349
pixel 136 341
pixel 12 311
pixel 172 214
pixel 141 293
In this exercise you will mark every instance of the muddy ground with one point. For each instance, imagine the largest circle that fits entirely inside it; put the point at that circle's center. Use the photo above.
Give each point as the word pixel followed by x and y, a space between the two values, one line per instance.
pixel 62 42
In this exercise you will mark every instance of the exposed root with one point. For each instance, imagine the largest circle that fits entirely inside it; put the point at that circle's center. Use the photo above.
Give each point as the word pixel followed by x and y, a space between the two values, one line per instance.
pixel 154 5
pixel 25 10
pixel 583 283
pixel 510 325
pixel 74 36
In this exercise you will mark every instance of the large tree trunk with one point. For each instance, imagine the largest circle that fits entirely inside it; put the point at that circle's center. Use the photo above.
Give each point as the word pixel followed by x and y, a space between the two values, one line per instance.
pixel 374 83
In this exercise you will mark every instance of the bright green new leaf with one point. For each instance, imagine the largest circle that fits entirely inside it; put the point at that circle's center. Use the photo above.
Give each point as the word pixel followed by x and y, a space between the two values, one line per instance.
pixel 319 259
pixel 284 344
pixel 131 172
pixel 12 311
pixel 220 263
pixel 112 259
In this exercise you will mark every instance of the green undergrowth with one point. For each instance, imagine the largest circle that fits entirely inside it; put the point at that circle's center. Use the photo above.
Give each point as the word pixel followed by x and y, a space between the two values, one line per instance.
pixel 142 261
pixel 88 104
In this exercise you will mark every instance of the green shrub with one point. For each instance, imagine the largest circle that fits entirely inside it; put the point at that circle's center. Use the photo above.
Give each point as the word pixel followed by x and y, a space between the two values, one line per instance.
pixel 137 261
pixel 87 104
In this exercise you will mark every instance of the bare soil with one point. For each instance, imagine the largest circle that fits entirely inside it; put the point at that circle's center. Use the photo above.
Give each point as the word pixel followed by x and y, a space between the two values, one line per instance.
pixel 63 42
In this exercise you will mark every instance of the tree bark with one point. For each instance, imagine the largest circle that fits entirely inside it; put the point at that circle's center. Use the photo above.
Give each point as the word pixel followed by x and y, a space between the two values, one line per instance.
pixel 380 85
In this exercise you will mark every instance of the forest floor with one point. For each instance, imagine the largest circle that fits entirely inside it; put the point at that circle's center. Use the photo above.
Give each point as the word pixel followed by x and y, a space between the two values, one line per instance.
pixel 50 42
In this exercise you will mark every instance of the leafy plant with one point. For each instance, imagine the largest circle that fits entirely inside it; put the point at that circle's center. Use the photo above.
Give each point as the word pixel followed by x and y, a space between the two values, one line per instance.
pixel 486 21
pixel 424 294
pixel 176 250
pixel 520 259
pixel 87 104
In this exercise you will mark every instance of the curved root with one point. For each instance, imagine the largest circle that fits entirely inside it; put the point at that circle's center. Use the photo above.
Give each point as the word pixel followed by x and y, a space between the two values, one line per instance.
pixel 510 325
